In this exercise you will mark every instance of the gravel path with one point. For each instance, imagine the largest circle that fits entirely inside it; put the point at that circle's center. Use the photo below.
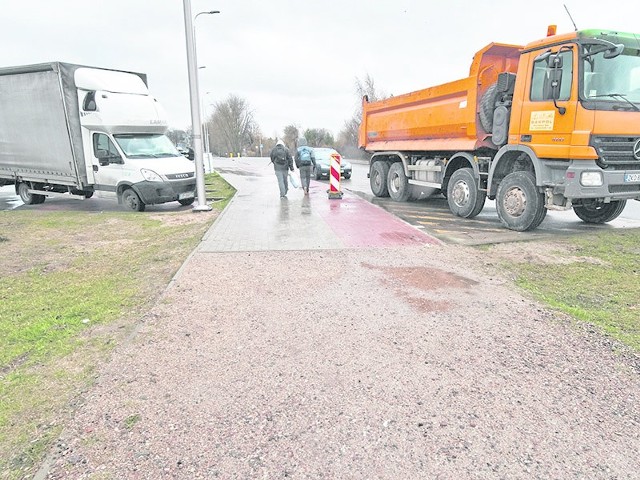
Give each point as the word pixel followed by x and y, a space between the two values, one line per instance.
pixel 394 363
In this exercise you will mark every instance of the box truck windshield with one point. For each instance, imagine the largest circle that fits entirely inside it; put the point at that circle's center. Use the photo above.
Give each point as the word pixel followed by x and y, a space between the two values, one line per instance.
pixel 146 146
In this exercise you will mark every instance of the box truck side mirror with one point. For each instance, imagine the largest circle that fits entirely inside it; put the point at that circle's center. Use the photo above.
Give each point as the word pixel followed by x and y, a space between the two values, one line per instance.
pixel 105 158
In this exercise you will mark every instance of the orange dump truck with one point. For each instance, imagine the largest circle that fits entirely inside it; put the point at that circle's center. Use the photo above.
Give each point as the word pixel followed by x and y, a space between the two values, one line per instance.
pixel 551 125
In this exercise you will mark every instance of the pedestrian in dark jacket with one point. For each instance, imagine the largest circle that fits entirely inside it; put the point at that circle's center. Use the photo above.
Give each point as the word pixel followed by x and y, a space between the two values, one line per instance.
pixel 305 159
pixel 282 163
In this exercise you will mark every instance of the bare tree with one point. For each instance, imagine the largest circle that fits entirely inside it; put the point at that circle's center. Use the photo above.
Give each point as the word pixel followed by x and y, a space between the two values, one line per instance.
pixel 232 127
pixel 367 87
pixel 348 136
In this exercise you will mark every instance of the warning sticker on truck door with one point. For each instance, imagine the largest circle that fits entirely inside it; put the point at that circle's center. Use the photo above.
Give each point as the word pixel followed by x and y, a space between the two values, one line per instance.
pixel 542 121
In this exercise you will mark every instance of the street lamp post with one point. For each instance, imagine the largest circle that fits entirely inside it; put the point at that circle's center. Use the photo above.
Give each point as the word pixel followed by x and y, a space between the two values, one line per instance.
pixel 194 95
pixel 205 130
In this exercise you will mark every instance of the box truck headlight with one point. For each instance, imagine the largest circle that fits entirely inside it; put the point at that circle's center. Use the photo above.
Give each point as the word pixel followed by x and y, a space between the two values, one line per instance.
pixel 150 175
pixel 591 179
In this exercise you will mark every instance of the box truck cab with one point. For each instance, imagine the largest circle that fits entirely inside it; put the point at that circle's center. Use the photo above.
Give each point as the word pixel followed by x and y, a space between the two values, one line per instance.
pixel 81 130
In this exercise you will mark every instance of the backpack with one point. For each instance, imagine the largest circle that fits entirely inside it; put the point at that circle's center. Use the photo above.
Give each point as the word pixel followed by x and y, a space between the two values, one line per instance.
pixel 281 155
pixel 305 156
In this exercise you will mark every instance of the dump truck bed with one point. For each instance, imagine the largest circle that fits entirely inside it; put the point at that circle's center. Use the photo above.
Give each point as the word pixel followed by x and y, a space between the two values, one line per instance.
pixel 440 118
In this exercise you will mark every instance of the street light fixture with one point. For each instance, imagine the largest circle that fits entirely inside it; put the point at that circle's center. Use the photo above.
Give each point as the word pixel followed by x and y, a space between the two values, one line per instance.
pixel 194 96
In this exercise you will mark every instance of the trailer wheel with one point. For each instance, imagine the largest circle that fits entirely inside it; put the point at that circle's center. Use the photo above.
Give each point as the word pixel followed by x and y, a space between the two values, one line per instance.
pixel 27 197
pixel 398 183
pixel 487 107
pixel 600 212
pixel 463 196
pixel 132 200
pixel 378 178
pixel 519 203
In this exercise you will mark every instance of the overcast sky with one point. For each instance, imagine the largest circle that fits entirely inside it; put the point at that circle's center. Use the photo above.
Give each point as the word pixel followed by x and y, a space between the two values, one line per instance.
pixel 293 61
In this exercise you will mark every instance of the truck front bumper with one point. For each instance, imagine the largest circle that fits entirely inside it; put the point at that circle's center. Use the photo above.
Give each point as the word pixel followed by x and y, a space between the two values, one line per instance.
pixel 615 184
pixel 162 192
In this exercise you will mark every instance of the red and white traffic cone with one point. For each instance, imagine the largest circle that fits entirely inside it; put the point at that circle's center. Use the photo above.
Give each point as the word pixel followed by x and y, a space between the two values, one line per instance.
pixel 334 177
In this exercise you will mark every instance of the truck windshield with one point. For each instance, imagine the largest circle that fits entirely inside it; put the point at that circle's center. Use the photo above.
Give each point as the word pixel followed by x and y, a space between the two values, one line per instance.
pixel 611 83
pixel 146 146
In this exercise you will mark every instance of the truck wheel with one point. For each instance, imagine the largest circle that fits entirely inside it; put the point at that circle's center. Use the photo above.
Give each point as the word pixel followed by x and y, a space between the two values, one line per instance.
pixel 187 201
pixel 519 203
pixel 378 178
pixel 27 197
pixel 487 106
pixel 132 200
pixel 600 212
pixel 463 196
pixel 398 183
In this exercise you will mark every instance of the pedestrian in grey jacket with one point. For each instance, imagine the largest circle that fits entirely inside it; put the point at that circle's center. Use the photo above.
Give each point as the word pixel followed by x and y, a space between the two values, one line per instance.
pixel 282 163
pixel 305 159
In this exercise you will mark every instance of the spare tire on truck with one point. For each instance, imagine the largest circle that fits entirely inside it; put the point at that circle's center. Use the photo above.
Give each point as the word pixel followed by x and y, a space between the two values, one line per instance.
pixel 487 107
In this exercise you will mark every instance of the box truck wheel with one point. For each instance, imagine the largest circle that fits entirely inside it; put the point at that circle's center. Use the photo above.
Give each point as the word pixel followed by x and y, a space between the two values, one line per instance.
pixel 187 201
pixel 519 203
pixel 378 178
pixel 463 196
pixel 27 197
pixel 600 212
pixel 398 183
pixel 131 200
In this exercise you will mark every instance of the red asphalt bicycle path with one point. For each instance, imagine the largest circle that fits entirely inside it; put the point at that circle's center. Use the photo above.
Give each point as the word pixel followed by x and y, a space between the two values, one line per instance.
pixel 358 223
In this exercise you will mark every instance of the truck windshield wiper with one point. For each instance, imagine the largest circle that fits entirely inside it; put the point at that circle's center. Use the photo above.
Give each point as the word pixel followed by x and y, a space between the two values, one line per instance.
pixel 618 95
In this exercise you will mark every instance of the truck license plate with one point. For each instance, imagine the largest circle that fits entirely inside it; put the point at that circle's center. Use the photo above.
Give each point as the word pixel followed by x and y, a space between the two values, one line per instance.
pixel 185 195
pixel 631 177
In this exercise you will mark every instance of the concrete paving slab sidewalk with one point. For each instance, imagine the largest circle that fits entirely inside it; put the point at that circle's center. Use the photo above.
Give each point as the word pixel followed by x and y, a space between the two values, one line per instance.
pixel 306 340
pixel 258 219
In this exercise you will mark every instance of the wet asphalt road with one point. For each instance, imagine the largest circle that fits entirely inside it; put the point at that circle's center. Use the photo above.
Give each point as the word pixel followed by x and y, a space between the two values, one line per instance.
pixel 431 215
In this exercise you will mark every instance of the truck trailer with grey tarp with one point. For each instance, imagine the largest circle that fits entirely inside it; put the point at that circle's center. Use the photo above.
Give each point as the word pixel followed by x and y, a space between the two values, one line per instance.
pixel 77 130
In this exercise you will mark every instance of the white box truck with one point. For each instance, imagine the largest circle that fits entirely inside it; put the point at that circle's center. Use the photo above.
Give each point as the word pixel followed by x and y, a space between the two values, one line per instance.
pixel 78 130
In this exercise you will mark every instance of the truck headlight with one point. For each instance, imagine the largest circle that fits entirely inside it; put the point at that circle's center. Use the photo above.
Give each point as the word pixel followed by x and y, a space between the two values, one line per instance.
pixel 150 175
pixel 591 179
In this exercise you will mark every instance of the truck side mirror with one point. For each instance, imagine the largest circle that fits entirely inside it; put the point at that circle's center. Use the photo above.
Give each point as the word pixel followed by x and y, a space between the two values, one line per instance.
pixel 554 61
pixel 191 154
pixel 555 82
pixel 614 52
pixel 103 157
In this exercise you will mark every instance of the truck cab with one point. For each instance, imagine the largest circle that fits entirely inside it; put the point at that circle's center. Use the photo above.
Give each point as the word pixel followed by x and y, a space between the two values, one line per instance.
pixel 123 137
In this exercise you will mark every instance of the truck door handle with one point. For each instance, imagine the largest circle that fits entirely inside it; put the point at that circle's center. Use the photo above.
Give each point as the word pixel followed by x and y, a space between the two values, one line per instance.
pixel 95 168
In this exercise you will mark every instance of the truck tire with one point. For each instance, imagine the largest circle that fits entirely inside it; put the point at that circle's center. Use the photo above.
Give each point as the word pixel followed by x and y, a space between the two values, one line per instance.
pixel 398 183
pixel 600 212
pixel 519 203
pixel 378 175
pixel 131 200
pixel 187 201
pixel 27 197
pixel 463 196
pixel 487 106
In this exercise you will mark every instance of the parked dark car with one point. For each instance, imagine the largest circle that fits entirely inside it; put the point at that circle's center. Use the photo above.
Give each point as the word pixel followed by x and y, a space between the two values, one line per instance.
pixel 323 161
